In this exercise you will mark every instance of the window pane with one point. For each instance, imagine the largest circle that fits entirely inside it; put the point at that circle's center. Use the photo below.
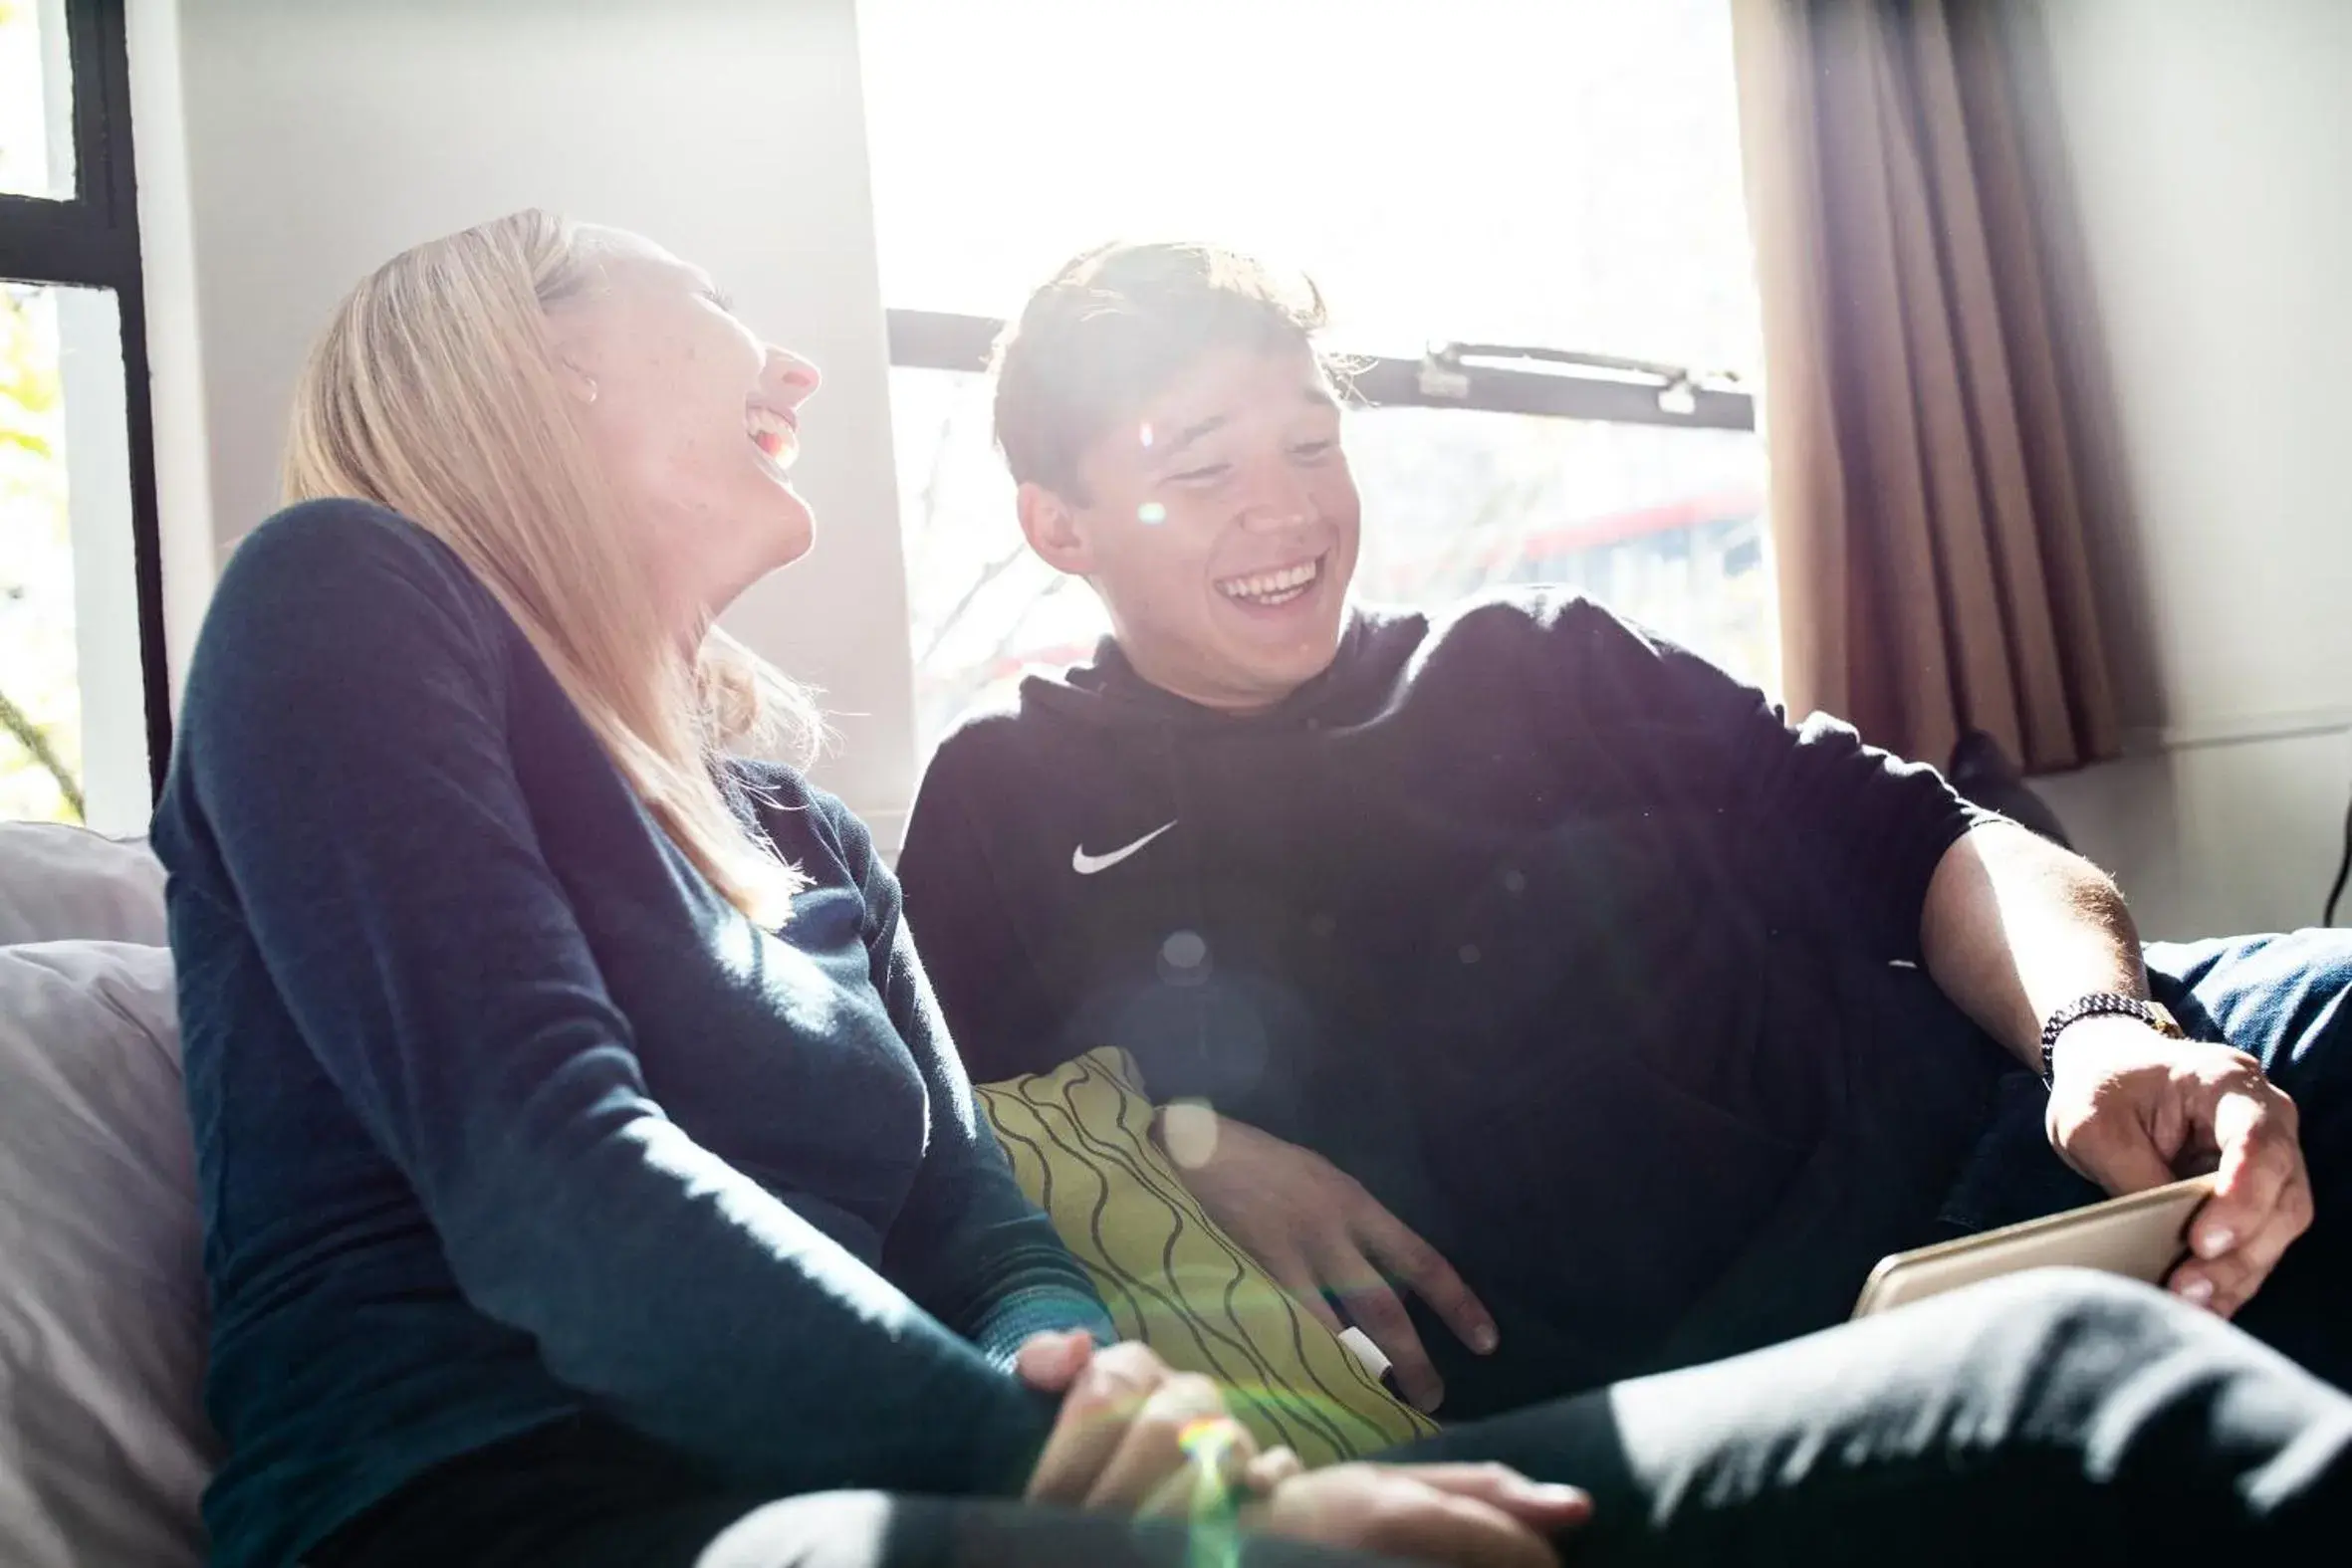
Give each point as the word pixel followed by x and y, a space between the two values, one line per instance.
pixel 981 605
pixel 1663 524
pixel 36 101
pixel 1556 172
pixel 73 729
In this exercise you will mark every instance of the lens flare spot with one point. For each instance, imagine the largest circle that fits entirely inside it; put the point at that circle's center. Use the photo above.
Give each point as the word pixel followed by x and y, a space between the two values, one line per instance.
pixel 1143 434
pixel 1152 512
pixel 1184 959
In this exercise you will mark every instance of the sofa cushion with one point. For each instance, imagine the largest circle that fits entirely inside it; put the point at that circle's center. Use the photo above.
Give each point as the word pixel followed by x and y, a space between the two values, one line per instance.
pixel 1079 1137
pixel 103 1449
pixel 59 883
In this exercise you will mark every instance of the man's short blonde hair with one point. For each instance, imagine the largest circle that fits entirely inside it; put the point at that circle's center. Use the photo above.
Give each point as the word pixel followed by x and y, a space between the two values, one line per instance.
pixel 1113 329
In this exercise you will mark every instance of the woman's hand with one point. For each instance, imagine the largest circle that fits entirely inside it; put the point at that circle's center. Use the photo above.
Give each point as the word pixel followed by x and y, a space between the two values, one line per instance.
pixel 1137 1438
pixel 1050 1362
pixel 1133 1436
pixel 1463 1515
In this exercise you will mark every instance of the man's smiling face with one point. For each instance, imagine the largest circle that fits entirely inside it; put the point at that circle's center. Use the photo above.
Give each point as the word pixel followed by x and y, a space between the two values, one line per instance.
pixel 1220 527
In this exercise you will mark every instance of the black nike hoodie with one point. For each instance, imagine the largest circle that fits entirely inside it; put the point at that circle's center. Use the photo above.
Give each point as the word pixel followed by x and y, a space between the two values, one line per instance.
pixel 1558 939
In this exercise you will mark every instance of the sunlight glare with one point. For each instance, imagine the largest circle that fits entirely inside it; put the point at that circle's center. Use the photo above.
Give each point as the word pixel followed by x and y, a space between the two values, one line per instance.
pixel 1546 171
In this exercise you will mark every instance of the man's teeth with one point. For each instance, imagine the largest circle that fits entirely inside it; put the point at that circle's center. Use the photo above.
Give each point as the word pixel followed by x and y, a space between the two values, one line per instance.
pixel 770 431
pixel 1273 588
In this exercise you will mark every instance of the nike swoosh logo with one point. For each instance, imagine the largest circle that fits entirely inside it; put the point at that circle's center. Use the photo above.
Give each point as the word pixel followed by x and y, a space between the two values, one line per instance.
pixel 1085 864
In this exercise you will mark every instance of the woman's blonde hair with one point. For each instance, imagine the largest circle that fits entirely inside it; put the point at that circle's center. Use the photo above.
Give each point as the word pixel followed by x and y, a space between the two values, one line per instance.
pixel 436 391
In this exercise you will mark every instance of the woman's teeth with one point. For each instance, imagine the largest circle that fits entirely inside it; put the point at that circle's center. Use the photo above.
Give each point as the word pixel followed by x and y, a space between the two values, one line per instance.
pixel 1274 588
pixel 772 433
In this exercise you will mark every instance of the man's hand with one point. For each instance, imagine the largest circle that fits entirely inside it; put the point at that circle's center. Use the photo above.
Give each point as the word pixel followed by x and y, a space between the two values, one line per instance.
pixel 1465 1516
pixel 2013 929
pixel 2131 1109
pixel 1315 1230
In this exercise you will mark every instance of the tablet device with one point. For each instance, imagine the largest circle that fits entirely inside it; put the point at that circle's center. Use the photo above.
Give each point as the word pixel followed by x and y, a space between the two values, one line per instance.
pixel 2141 1236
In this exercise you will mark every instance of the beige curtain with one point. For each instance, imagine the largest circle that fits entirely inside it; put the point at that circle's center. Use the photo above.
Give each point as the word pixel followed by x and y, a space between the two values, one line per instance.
pixel 1929 497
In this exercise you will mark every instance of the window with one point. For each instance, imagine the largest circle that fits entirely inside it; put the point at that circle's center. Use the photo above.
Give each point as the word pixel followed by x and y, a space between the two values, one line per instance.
pixel 82 716
pixel 36 101
pixel 1555 180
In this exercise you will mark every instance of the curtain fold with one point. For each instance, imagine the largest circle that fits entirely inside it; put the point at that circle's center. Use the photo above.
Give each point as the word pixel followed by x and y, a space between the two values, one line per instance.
pixel 1928 513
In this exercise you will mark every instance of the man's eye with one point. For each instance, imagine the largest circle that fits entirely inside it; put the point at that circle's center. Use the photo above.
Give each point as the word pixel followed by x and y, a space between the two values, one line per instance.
pixel 1206 475
pixel 1308 451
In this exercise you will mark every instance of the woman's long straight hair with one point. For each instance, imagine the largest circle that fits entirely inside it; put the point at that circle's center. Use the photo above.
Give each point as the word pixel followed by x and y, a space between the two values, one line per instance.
pixel 436 391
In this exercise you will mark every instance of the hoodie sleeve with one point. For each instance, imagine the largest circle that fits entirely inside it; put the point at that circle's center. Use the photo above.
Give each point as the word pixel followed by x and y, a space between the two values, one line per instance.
pixel 1860 829
pixel 987 984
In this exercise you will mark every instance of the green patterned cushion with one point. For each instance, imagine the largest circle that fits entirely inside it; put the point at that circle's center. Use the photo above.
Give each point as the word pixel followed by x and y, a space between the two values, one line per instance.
pixel 1080 1144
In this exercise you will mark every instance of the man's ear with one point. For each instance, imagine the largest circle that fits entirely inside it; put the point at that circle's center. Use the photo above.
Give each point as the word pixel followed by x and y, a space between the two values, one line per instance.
pixel 1054 529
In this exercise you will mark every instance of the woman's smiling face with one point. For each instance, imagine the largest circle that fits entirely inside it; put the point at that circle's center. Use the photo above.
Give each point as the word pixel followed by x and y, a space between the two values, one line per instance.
pixel 693 417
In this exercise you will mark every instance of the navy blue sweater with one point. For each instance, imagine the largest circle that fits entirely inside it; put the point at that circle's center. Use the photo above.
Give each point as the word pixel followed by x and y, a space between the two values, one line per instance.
pixel 502 1114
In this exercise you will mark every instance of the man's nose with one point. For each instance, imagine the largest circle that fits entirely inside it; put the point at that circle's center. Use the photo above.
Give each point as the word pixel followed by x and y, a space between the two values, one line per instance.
pixel 1277 498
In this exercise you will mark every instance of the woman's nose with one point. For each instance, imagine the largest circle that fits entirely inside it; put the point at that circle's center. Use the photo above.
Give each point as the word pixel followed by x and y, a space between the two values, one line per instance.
pixel 800 378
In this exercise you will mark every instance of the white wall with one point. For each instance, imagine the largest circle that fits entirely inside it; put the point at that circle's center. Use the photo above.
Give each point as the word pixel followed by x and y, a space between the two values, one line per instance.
pixel 2211 145
pixel 321 139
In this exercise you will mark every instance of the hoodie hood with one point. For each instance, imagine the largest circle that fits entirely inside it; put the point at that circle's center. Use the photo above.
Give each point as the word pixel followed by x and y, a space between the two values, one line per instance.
pixel 1376 649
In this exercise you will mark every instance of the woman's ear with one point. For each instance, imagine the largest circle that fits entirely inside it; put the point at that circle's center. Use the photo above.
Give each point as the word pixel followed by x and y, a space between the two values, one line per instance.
pixel 573 344
pixel 1054 530
pixel 579 383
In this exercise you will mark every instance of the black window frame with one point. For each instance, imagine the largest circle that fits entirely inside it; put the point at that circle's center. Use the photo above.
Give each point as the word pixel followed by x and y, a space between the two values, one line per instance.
pixel 1485 377
pixel 91 240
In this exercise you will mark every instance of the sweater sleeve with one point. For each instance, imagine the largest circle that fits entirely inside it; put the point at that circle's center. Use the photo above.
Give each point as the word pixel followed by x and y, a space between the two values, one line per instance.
pixel 988 986
pixel 343 739
pixel 1859 830
pixel 968 1246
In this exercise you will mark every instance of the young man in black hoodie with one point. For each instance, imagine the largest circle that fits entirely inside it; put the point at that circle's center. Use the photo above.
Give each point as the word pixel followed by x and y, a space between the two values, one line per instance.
pixel 1513 945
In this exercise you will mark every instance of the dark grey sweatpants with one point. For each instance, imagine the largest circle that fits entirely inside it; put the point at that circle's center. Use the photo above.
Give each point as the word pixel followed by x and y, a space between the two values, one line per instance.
pixel 2057 1416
